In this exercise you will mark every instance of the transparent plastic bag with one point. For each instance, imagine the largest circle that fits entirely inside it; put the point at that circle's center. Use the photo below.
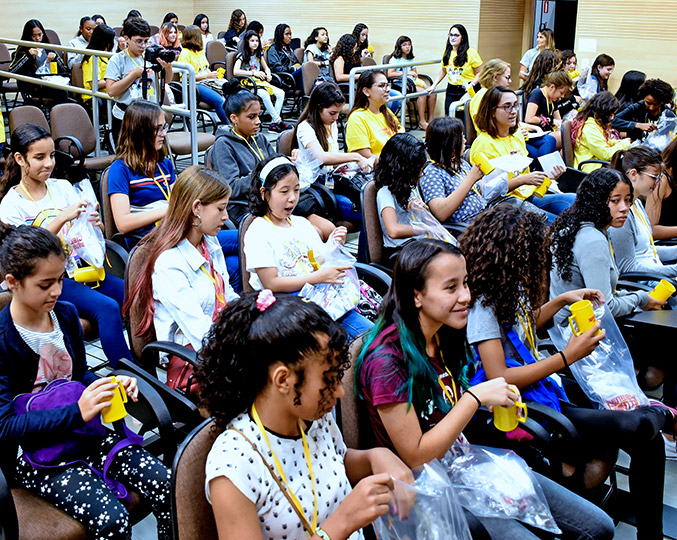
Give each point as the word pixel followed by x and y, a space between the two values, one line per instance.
pixel 424 221
pixel 665 132
pixel 497 483
pixel 336 299
pixel 494 185
pixel 83 238
pixel 607 375
pixel 587 86
pixel 436 514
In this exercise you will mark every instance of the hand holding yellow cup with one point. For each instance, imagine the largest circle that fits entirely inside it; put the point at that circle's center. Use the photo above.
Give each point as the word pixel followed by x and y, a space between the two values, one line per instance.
pixel 507 418
pixel 543 188
pixel 483 162
pixel 663 290
pixel 117 410
pixel 583 316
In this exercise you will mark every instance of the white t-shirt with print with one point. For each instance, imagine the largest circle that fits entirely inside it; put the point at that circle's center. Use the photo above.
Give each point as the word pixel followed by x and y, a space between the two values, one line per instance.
pixel 308 162
pixel 284 248
pixel 233 457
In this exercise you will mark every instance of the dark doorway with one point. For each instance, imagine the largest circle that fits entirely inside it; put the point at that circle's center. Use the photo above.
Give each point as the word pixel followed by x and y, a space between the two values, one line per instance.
pixel 565 23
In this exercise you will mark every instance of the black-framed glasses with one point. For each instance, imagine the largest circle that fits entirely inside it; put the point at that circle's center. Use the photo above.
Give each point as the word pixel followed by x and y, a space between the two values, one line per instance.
pixel 164 128
pixel 509 107
pixel 383 85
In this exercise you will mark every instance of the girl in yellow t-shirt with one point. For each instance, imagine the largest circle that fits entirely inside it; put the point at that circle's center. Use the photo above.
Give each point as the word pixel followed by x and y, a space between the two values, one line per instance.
pixel 461 65
pixel 103 38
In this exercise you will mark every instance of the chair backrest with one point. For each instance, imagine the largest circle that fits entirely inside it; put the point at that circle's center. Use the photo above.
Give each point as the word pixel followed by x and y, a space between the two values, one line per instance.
pixel 299 52
pixel 284 142
pixel 117 30
pixel 368 61
pixel 109 228
pixel 216 52
pixel 192 515
pixel 386 58
pixel 245 222
pixel 52 36
pixel 77 77
pixel 470 132
pixel 372 232
pixel 221 34
pixel 5 57
pixel 208 158
pixel 230 64
pixel 309 71
pixel 154 30
pixel 567 144
pixel 137 259
pixel 72 119
pixel 26 114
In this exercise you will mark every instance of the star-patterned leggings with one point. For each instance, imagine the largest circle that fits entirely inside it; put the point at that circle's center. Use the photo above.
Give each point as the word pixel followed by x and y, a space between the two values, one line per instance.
pixel 81 494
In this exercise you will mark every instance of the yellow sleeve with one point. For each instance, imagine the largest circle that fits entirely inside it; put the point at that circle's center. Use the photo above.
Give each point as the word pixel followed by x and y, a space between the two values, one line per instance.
pixel 593 137
pixel 357 133
pixel 2 129
pixel 482 144
pixel 474 58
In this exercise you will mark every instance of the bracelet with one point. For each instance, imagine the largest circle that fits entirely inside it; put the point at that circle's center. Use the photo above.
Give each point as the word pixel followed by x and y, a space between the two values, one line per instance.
pixel 566 364
pixel 479 403
pixel 319 532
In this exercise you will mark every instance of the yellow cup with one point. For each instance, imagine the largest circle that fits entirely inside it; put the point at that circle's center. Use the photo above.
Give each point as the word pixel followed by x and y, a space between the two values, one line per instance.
pixel 53 67
pixel 507 418
pixel 483 163
pixel 89 274
pixel 220 73
pixel 663 290
pixel 117 410
pixel 543 188
pixel 583 315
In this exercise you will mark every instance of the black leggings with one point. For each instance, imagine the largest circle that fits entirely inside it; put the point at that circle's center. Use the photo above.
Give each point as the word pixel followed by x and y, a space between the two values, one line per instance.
pixel 638 433
pixel 454 93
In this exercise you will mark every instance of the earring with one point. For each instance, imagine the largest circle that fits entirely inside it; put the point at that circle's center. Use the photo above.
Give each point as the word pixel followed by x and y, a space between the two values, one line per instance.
pixel 199 222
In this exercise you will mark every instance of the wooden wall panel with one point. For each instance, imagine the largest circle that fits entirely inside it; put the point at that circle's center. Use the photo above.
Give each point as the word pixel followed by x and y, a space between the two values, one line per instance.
pixel 638 35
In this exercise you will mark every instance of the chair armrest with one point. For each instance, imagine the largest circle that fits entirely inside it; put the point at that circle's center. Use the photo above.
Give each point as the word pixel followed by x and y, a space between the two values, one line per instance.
pixel 119 250
pixel 426 78
pixel 286 79
pixel 215 65
pixel 561 422
pixel 601 162
pixel 633 286
pixel 370 274
pixel 9 523
pixel 645 276
pixel 172 349
pixel 79 158
pixel 328 198
pixel 253 88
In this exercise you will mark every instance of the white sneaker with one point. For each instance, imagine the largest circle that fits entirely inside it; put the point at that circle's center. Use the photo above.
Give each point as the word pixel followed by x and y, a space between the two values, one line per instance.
pixel 670 449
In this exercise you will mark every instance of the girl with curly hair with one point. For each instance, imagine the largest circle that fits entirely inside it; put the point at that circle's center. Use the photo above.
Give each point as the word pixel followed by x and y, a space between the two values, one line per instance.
pixel 280 247
pixel 370 122
pixel 270 375
pixel 591 132
pixel 508 263
pixel 396 177
pixel 344 58
pixel 634 247
pixel 413 374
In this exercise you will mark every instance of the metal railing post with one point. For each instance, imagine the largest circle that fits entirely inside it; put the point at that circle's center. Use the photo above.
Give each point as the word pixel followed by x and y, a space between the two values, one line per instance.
pixel 403 108
pixel 95 105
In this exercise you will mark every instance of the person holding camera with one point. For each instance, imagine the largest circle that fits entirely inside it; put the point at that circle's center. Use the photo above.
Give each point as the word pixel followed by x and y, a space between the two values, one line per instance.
pixel 127 77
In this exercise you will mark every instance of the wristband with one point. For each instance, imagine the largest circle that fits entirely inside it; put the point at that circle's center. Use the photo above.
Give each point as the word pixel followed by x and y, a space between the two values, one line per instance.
pixel 479 403
pixel 566 364
pixel 319 532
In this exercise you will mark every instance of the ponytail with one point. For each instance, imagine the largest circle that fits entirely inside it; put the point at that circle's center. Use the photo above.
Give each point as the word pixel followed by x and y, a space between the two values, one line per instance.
pixel 20 142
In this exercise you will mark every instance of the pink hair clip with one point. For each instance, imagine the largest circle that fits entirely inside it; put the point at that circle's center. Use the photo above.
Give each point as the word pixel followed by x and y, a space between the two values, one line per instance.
pixel 265 299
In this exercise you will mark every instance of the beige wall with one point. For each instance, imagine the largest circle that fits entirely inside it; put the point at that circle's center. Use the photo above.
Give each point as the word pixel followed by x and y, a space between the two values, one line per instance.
pixel 637 34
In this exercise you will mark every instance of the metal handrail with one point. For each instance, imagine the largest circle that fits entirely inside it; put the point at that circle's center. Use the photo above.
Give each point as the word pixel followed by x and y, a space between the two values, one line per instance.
pixel 188 86
pixel 404 66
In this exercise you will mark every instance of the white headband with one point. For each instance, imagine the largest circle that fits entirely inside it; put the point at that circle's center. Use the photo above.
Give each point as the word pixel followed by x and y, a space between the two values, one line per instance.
pixel 282 160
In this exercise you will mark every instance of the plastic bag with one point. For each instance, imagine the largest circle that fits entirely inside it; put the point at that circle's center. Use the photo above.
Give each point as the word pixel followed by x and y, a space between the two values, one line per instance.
pixel 336 299
pixel 587 86
pixel 665 132
pixel 607 375
pixel 497 483
pixel 424 221
pixel 436 514
pixel 494 185
pixel 83 238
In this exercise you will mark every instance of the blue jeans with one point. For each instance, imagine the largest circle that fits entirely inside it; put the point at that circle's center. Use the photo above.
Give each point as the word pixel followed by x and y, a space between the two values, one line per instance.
pixel 395 105
pixel 355 324
pixel 553 204
pixel 103 305
pixel 215 100
pixel 228 239
pixel 541 146
pixel 577 517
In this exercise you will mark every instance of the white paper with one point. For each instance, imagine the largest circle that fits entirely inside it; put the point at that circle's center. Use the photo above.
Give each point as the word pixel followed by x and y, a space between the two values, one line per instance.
pixel 549 162
pixel 511 162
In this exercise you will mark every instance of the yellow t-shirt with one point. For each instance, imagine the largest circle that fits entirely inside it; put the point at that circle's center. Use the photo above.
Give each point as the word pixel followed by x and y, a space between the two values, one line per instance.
pixel 196 59
pixel 594 145
pixel 466 72
pixel 475 105
pixel 2 129
pixel 87 76
pixel 503 146
pixel 368 130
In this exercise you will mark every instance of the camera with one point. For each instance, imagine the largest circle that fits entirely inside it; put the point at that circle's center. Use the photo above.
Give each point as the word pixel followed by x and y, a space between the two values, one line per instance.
pixel 155 52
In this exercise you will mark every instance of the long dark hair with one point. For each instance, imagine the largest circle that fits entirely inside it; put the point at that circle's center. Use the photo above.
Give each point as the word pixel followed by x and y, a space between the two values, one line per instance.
pixel 243 47
pixel 83 20
pixel 410 273
pixel 197 21
pixel 103 39
pixel 485 119
pixel 397 51
pixel 367 80
pixel 546 62
pixel 27 34
pixel 462 52
pixel 278 35
pixel 345 48
pixel 627 92
pixel 402 159
pixel 603 60
pixel 356 34
pixel 21 140
pixel 312 38
pixel 235 19
pixel 444 142
pixel 136 143
pixel 602 106
pixel 258 205
pixel 506 250
pixel 22 247
pixel 322 97
pixel 591 204
pixel 245 341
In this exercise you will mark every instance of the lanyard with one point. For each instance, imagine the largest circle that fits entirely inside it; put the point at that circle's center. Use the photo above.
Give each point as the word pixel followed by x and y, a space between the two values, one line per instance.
pixel 165 180
pixel 525 323
pixel 258 153
pixel 641 218
pixel 280 470
pixel 49 191
pixel 451 399
pixel 474 186
pixel 132 59
pixel 215 279
pixel 298 256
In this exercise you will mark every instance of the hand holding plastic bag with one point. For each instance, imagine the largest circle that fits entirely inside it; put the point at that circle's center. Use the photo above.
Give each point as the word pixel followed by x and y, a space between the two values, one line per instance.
pixel 335 298
pixel 607 375
pixel 83 237
pixel 496 483
pixel 435 515
pixel 664 133
pixel 424 221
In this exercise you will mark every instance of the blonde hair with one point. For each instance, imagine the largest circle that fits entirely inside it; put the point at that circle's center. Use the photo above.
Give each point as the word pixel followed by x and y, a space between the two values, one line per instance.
pixel 549 38
pixel 491 70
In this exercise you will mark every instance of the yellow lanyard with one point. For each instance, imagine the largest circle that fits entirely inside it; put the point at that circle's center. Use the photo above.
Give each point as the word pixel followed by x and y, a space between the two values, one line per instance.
pixel 298 257
pixel 132 59
pixel 258 153
pixel 451 399
pixel 474 186
pixel 220 295
pixel 280 470
pixel 525 323
pixel 165 180
pixel 49 191
pixel 640 217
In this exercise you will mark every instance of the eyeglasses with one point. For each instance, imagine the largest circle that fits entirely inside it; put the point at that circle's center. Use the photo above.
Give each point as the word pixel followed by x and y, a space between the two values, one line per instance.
pixel 656 177
pixel 383 85
pixel 454 35
pixel 141 42
pixel 509 107
pixel 162 129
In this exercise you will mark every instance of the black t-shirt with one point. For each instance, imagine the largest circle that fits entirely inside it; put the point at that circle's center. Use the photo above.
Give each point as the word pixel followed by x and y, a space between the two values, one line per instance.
pixel 544 109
